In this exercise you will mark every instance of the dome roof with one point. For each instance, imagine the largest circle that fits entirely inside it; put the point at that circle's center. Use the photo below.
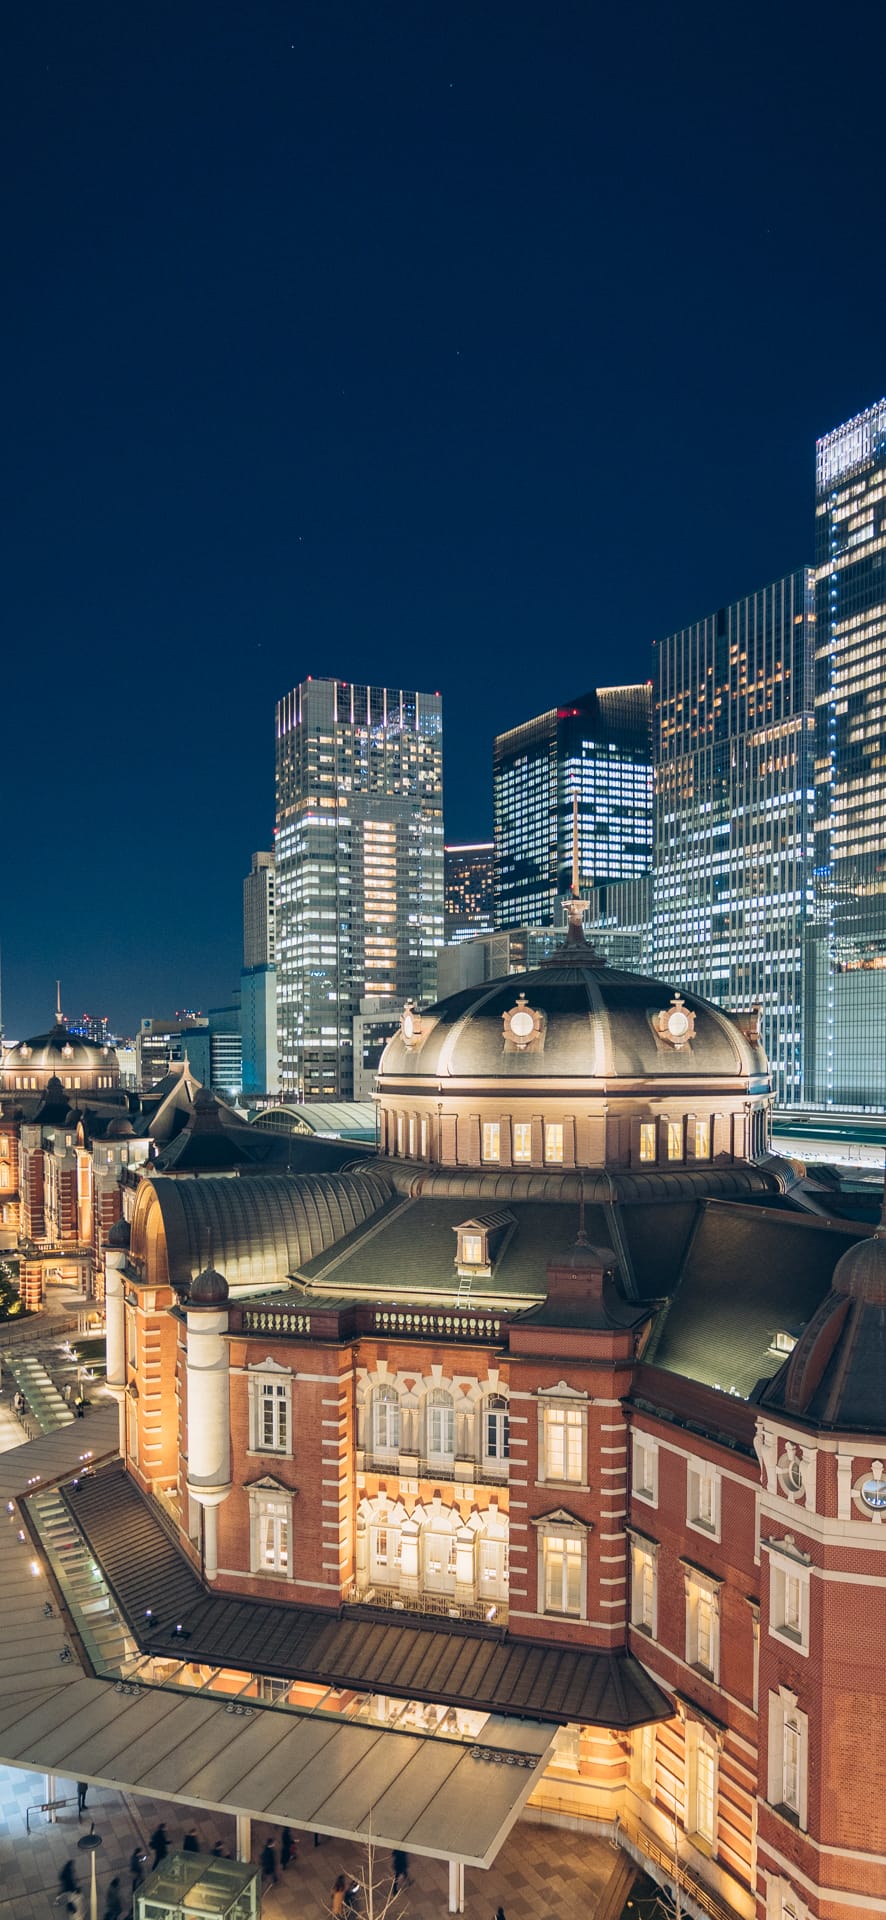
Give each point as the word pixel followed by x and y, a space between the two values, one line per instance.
pixel 861 1272
pixel 59 1051
pixel 575 1019
pixel 210 1289
pixel 119 1234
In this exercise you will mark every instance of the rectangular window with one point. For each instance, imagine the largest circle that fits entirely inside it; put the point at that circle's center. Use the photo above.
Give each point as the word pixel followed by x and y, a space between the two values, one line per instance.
pixel 675 1139
pixel 644 1586
pixel 645 1468
pixel 441 1431
pixel 274 1417
pixel 273 1536
pixel 554 1142
pixel 644 1758
pixel 790 1797
pixel 647 1140
pixel 491 1140
pixel 563 1444
pixel 703 1497
pixel 703 1787
pixel 562 1574
pixel 522 1140
pixel 703 1623
pixel 471 1249
pixel 789 1602
pixel 702 1139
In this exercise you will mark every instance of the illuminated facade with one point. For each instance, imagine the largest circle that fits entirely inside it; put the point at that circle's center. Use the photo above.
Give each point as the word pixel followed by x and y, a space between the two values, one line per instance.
pixel 359 868
pixel 733 814
pixel 429 1404
pixel 597 747
pixel 849 946
pixel 469 892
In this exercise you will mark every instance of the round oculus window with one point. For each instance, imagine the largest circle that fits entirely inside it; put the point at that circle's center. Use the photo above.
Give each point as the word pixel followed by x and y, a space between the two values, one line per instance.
pixel 521 1024
pixel 408 1025
pixel 873 1493
pixel 678 1022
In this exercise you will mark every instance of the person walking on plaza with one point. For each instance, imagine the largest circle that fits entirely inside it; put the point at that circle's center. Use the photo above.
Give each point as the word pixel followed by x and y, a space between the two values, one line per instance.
pixel 114 1900
pixel 160 1844
pixel 67 1879
pixel 190 1843
pixel 269 1860
pixel 288 1848
pixel 400 1864
pixel 137 1867
pixel 337 1902
pixel 82 1791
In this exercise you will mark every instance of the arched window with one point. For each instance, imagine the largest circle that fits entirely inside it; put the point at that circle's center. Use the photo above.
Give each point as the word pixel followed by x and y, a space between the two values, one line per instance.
pixel 496 1430
pixel 385 1421
pixel 440 1425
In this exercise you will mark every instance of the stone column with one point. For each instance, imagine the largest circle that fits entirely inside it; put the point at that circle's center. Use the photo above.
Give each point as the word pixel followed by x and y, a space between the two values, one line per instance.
pixel 243 1842
pixel 456 1886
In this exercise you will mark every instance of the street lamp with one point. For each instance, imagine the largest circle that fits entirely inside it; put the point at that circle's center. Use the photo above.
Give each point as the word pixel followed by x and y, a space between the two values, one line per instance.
pixel 90 1843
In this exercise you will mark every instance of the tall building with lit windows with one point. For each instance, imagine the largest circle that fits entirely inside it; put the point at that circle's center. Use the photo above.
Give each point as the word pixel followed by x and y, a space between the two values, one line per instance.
pixel 469 889
pixel 359 897
pixel 733 813
pixel 849 944
pixel 597 747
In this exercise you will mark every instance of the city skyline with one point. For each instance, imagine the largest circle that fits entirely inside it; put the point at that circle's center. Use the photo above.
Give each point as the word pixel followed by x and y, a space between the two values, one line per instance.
pixel 410 342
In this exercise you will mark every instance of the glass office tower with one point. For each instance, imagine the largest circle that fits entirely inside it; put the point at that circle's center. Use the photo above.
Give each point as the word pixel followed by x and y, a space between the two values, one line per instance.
pixel 598 747
pixel 359 869
pixel 468 889
pixel 849 944
pixel 733 812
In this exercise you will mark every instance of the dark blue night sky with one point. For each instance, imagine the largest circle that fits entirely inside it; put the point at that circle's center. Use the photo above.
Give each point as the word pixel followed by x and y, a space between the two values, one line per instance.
pixel 466 346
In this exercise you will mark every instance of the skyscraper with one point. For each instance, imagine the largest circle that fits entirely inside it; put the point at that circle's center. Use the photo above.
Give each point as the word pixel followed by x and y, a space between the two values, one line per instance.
pixel 259 912
pixel 469 901
pixel 359 868
pixel 258 979
pixel 598 747
pixel 849 943
pixel 733 813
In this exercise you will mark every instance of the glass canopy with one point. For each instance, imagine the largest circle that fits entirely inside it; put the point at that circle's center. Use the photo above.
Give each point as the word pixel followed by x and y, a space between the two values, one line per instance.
pixel 197 1886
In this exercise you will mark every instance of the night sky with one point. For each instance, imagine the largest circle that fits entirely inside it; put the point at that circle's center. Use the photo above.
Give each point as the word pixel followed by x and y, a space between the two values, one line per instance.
pixel 460 346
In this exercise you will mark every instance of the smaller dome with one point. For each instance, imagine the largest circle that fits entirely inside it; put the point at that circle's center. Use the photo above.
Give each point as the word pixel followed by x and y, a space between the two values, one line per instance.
pixel 121 1129
pixel 861 1271
pixel 119 1234
pixel 210 1289
pixel 584 1254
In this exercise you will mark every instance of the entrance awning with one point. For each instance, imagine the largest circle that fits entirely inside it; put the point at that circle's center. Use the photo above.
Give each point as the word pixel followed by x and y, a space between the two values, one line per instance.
pixel 426 1795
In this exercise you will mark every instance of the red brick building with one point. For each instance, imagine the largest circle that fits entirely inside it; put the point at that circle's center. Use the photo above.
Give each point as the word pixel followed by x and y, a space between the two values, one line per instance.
pixel 576 1370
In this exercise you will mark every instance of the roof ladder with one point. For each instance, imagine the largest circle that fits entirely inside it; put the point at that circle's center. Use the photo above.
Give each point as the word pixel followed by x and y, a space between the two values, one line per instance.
pixel 463 1296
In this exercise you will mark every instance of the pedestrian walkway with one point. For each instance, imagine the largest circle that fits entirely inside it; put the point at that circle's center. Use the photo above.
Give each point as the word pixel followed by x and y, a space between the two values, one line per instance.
pixel 542 1873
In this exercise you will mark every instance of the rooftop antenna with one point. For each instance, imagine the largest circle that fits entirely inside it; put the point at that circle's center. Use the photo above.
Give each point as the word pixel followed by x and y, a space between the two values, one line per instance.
pixel 59 1016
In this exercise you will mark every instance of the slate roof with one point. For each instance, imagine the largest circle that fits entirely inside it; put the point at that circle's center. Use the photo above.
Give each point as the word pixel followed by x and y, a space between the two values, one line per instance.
pixel 459 1663
pixel 749 1272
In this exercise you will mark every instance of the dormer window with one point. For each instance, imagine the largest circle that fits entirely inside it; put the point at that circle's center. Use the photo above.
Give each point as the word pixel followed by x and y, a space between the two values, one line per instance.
pixel 480 1241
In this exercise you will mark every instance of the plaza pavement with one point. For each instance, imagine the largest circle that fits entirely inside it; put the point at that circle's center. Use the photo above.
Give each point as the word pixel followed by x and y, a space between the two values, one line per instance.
pixel 542 1873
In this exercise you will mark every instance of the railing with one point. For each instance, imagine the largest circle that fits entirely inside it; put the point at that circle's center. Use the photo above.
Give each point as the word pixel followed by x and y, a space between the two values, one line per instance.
pixel 275 1320
pixel 440 1605
pixel 459 1323
pixel 414 1466
pixel 677 1873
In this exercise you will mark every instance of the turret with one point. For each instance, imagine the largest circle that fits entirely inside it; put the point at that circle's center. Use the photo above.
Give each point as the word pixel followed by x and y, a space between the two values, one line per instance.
pixel 209 1421
pixel 116 1252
